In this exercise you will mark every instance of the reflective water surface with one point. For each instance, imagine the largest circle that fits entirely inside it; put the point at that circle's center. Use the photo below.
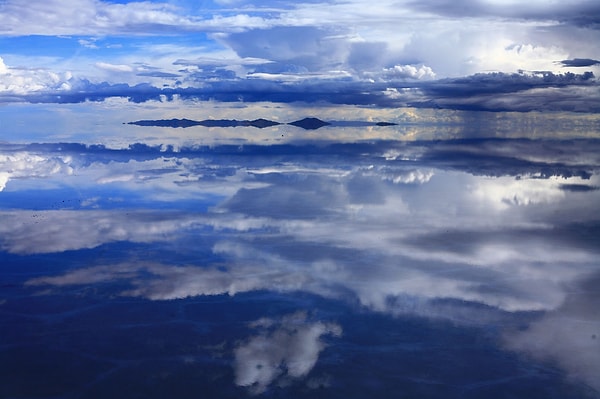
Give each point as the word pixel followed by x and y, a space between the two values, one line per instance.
pixel 463 268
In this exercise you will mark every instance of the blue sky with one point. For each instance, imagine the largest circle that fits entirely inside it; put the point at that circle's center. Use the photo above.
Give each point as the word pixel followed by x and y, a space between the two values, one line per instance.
pixel 459 55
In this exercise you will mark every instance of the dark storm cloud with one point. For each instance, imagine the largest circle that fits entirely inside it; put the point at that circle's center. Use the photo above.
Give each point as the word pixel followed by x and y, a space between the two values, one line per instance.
pixel 579 62
pixel 538 91
pixel 503 83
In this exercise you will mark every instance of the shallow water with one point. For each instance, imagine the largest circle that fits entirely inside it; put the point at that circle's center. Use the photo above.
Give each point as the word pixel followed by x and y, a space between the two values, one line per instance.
pixel 426 268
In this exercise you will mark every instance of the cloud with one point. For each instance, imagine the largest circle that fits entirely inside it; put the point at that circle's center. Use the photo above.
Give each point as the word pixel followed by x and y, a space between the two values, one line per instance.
pixel 100 18
pixel 578 12
pixel 85 17
pixel 159 74
pixel 579 62
pixel 312 225
pixel 25 165
pixel 399 86
pixel 541 91
pixel 17 83
pixel 317 37
pixel 113 68
pixel 309 47
pixel 31 232
pixel 408 72
pixel 518 265
pixel 285 349
pixel 568 335
pixel 3 67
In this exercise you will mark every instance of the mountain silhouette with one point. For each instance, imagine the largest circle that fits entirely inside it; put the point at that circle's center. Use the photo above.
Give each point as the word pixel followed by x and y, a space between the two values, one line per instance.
pixel 259 123
pixel 306 123
pixel 309 123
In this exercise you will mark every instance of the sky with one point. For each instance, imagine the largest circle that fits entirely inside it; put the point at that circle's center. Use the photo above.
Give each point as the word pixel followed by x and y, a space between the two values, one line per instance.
pixel 471 54
pixel 451 251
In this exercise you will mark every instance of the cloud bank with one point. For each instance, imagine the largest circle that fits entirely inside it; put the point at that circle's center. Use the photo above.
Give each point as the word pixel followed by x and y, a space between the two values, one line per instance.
pixel 524 92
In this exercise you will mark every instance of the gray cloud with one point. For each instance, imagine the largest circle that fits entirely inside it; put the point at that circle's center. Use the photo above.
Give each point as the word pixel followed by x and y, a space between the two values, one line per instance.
pixel 365 56
pixel 580 12
pixel 307 47
pixel 579 62
pixel 569 335
pixel 57 231
pixel 158 74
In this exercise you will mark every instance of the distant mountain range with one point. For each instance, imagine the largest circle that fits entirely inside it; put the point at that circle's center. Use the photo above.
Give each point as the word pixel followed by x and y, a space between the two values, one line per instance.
pixel 306 123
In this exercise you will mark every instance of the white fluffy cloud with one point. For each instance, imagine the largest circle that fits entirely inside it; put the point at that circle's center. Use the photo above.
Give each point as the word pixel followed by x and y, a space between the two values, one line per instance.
pixel 22 81
pixel 22 165
pixel 408 72
pixel 114 68
pixel 283 349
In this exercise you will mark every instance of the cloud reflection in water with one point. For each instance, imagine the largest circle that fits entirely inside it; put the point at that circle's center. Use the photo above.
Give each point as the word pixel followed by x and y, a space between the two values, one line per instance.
pixel 420 228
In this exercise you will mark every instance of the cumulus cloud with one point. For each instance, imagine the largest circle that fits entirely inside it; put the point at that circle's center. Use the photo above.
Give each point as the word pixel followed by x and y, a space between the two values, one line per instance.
pixel 19 82
pixel 408 72
pixel 25 165
pixel 309 47
pixel 287 348
pixel 3 67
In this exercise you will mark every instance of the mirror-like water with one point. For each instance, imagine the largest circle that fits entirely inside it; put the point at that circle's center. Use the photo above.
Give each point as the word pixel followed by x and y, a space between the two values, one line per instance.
pixel 456 268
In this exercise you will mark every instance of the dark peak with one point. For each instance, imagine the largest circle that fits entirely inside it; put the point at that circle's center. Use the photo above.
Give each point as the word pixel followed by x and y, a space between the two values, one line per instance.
pixel 309 123
pixel 261 122
pixel 166 123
